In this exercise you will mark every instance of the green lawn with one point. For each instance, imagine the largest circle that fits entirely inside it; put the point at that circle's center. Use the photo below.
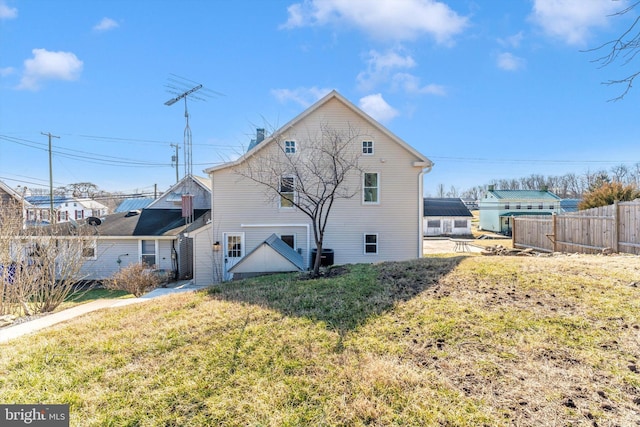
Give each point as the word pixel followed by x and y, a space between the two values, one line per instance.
pixel 444 341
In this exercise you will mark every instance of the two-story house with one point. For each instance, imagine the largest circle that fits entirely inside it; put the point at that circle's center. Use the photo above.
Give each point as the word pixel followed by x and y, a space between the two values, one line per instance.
pixel 497 207
pixel 382 221
pixel 65 209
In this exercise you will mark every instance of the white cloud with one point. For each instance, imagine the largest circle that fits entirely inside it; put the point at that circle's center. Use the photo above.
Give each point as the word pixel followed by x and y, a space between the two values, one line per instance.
pixel 380 67
pixel 303 96
pixel 375 106
pixel 105 25
pixel 572 20
pixel 46 65
pixel 7 12
pixel 394 20
pixel 7 71
pixel 411 84
pixel 509 62
pixel 512 41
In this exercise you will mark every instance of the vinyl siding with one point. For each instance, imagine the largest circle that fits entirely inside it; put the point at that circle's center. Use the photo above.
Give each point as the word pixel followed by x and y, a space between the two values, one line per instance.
pixel 396 219
pixel 107 250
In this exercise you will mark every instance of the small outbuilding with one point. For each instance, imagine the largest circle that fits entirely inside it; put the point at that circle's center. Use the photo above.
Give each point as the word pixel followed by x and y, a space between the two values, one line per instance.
pixel 446 217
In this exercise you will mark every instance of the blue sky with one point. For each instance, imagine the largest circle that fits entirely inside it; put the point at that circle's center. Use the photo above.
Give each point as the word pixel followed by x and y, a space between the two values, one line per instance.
pixel 486 89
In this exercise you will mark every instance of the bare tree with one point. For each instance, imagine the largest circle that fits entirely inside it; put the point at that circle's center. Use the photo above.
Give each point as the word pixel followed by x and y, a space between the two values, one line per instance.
pixel 313 179
pixel 40 265
pixel 624 50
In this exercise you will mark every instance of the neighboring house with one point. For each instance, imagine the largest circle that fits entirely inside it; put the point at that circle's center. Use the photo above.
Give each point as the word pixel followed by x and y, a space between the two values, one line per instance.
pixel 497 207
pixel 12 201
pixel 158 235
pixel 383 222
pixel 65 209
pixel 446 217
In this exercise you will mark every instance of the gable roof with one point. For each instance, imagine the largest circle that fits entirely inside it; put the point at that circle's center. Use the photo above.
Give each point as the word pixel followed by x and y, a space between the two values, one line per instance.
pixel 12 193
pixel 524 195
pixel 280 247
pixel 333 95
pixel 445 207
pixel 205 183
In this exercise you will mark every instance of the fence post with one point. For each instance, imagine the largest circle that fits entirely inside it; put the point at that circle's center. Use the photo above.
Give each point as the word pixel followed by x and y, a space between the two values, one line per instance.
pixel 616 226
pixel 513 231
pixel 554 219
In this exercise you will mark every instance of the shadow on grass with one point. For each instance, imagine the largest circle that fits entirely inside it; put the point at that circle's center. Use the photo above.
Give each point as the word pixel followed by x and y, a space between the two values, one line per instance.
pixel 347 296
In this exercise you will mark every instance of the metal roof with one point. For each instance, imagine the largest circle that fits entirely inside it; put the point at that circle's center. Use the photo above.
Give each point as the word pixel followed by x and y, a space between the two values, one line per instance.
pixel 134 204
pixel 286 251
pixel 445 207
pixel 524 195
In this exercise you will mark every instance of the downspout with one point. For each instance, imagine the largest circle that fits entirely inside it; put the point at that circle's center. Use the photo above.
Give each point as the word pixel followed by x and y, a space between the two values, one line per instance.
pixel 424 171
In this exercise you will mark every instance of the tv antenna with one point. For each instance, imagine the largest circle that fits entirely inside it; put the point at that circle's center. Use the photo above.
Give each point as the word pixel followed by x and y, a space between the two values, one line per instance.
pixel 184 88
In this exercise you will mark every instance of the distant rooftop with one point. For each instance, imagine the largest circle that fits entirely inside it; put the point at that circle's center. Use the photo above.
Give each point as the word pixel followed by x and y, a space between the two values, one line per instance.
pixel 445 207
pixel 134 204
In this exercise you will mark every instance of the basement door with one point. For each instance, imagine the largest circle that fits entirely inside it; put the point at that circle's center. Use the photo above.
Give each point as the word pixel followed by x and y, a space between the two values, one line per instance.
pixel 233 252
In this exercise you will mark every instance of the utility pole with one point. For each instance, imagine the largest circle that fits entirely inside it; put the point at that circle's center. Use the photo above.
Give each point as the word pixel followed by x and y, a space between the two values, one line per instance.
pixel 51 218
pixel 174 158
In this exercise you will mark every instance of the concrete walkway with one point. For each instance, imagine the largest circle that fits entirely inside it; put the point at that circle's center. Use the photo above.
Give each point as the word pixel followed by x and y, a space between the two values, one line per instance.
pixel 14 331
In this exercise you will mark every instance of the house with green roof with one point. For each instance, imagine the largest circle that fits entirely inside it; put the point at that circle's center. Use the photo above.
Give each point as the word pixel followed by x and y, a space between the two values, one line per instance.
pixel 498 207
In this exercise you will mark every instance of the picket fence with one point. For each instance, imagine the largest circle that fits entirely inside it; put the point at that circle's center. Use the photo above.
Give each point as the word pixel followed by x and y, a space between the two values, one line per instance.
pixel 613 228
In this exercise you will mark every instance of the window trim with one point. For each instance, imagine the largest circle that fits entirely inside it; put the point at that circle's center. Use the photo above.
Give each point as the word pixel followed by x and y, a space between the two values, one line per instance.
pixel 364 188
pixel 293 193
pixel 460 221
pixel 376 244
pixel 155 253
pixel 290 147
pixel 368 150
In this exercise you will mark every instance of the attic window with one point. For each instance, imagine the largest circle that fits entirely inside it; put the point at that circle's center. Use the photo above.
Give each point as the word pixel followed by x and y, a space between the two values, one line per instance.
pixel 290 147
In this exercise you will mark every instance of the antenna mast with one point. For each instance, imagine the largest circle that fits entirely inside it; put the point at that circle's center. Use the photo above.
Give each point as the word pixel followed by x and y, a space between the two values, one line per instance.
pixel 178 86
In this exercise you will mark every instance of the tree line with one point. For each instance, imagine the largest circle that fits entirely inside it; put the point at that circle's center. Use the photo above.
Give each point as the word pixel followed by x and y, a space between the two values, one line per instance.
pixel 567 186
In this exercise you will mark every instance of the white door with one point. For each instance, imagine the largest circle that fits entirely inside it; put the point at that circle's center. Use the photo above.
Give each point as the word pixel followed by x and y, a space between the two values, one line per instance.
pixel 233 252
pixel 446 223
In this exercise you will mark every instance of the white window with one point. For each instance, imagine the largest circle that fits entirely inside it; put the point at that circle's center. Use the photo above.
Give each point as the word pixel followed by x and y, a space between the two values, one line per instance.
pixel 433 223
pixel 506 206
pixel 367 147
pixel 371 188
pixel 287 191
pixel 460 223
pixel 371 244
pixel 148 252
pixel 290 147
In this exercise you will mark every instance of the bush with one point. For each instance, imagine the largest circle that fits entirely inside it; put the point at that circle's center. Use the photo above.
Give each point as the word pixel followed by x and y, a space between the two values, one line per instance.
pixel 607 193
pixel 135 278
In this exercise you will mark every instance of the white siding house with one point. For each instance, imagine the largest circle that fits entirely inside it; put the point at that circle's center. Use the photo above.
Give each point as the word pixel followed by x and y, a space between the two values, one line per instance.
pixel 382 222
pixel 497 207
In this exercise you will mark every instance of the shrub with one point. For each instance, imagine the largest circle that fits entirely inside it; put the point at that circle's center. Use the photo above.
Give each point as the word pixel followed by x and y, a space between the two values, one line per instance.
pixel 135 278
pixel 607 193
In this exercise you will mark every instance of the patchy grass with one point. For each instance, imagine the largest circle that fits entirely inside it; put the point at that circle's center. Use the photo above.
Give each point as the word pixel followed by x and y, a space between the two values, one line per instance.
pixel 452 341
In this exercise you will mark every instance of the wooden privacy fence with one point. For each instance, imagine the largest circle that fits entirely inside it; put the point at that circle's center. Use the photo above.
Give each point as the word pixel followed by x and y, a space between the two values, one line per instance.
pixel 615 227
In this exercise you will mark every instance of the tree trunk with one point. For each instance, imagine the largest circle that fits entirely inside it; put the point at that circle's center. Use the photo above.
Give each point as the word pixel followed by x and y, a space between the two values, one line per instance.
pixel 316 264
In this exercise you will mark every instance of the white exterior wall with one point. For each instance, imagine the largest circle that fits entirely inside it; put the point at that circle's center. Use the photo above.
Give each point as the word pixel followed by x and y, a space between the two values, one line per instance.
pixel 128 250
pixel 240 205
pixel 455 231
pixel 204 268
